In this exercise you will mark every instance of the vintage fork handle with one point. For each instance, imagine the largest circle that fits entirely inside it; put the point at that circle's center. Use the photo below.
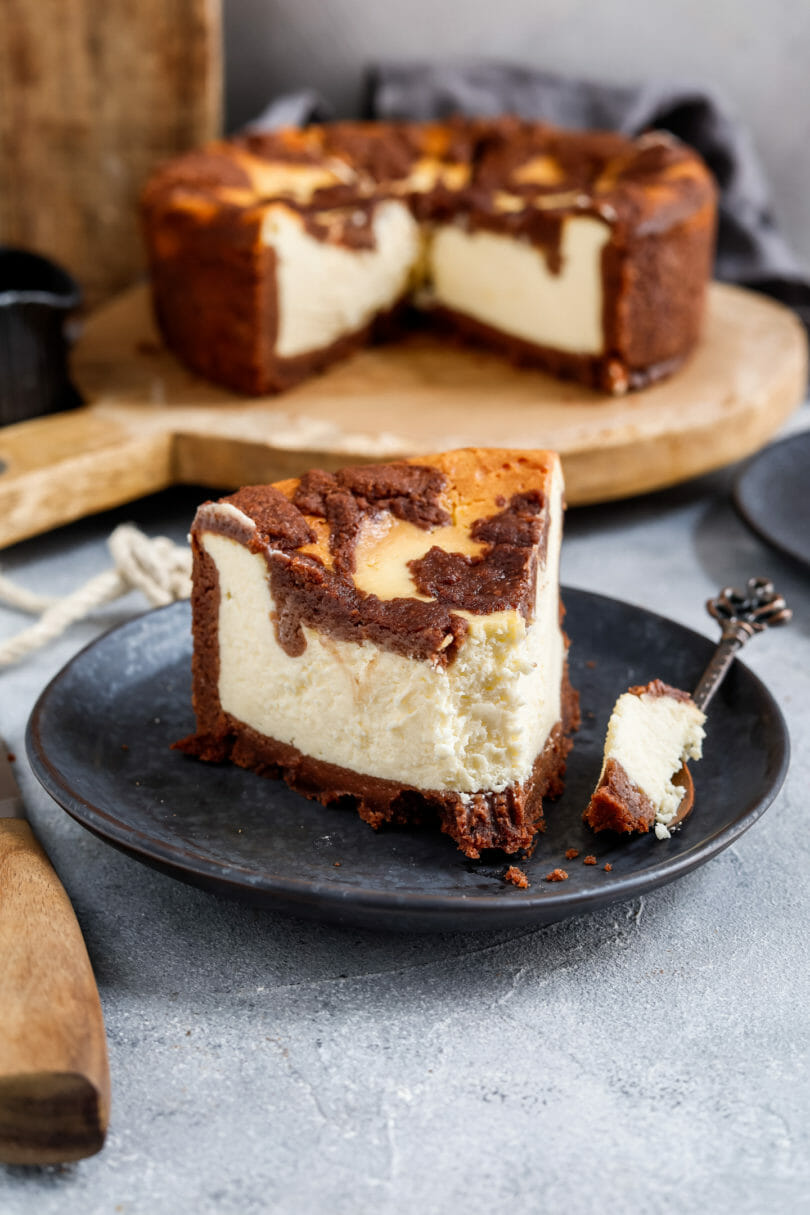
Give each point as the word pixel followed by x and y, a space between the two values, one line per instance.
pixel 741 615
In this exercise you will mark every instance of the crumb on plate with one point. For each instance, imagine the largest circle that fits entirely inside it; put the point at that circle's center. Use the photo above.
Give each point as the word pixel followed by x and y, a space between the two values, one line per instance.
pixel 557 875
pixel 517 877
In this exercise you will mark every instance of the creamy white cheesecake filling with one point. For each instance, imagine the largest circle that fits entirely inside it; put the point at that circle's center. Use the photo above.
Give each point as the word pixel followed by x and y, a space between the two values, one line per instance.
pixel 506 283
pixel 477 724
pixel 652 737
pixel 325 291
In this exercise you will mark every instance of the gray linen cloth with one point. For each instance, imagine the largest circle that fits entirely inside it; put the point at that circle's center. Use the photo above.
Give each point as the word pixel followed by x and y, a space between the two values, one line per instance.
pixel 750 248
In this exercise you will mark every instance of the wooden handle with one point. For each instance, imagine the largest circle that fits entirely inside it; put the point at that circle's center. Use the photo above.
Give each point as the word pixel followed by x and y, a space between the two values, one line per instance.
pixel 54 1074
pixel 67 465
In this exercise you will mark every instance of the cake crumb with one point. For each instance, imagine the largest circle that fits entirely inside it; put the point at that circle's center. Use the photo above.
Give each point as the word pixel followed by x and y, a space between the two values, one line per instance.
pixel 572 854
pixel 590 663
pixel 589 859
pixel 557 875
pixel 337 864
pixel 608 868
pixel 517 877
pixel 124 746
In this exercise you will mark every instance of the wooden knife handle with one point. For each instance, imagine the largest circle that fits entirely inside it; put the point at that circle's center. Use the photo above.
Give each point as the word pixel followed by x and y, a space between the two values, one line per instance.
pixel 54 1073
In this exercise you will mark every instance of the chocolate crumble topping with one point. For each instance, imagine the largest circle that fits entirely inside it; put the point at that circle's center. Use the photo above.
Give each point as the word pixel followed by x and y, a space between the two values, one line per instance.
pixel 408 491
pixel 277 520
pixel 499 578
pixel 306 592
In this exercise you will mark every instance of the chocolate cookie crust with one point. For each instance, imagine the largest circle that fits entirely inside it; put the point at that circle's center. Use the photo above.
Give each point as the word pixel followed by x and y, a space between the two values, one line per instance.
pixel 618 805
pixel 508 820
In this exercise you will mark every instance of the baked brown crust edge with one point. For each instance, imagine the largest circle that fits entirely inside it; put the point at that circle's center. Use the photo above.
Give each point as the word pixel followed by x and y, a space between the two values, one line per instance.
pixel 617 804
pixel 508 820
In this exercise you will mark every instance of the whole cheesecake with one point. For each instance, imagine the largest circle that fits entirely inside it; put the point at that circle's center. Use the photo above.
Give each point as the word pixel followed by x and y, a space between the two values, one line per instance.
pixel 583 253
pixel 391 634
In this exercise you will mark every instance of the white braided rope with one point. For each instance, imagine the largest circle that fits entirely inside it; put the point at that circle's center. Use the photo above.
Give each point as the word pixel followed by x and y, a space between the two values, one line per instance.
pixel 23 600
pixel 157 567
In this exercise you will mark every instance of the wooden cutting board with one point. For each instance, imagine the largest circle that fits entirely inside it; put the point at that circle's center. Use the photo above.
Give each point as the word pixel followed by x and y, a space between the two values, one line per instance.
pixel 151 423
pixel 94 96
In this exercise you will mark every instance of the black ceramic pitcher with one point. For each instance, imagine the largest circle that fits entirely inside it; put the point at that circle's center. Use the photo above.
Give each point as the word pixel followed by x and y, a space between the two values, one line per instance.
pixel 36 299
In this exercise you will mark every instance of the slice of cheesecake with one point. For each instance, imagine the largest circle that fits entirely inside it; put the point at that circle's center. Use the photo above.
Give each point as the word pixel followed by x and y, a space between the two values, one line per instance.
pixel 653 730
pixel 391 634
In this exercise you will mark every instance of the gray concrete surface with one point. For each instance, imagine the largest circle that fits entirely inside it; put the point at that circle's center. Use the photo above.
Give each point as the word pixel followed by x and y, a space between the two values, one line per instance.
pixel 649 1058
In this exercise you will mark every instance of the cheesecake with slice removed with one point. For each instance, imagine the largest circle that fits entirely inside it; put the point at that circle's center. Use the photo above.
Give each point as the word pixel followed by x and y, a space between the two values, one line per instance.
pixel 391 635
pixel 584 253
pixel 653 730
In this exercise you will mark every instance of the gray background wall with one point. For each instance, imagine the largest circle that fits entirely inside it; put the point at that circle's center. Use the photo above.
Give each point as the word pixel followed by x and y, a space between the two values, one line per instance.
pixel 757 52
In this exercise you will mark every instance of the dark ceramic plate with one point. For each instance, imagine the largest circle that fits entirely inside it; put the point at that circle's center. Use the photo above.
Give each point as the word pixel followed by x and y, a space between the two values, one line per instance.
pixel 772 493
pixel 99 736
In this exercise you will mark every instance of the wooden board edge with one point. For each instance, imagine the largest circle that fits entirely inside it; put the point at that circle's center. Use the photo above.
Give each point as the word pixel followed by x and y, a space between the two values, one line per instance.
pixel 590 476
pixel 83 483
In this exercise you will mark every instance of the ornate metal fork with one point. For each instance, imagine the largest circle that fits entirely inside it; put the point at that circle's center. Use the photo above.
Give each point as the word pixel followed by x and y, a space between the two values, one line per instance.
pixel 740 614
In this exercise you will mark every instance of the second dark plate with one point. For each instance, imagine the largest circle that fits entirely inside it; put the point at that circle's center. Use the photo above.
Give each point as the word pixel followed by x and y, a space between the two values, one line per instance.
pixel 99 741
pixel 772 493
